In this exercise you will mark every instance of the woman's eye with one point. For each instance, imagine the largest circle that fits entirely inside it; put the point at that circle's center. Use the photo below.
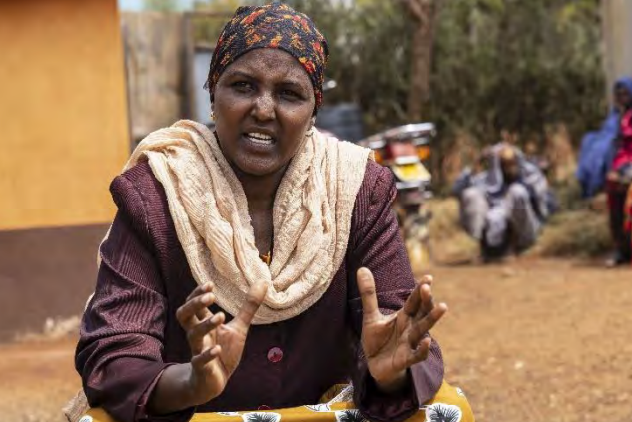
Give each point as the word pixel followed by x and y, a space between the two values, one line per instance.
pixel 289 94
pixel 243 86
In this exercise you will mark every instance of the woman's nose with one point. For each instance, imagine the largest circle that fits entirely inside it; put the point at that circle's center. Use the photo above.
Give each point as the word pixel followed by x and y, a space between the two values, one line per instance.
pixel 263 109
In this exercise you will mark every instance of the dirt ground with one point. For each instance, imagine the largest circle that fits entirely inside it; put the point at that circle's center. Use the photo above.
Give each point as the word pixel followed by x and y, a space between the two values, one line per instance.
pixel 531 341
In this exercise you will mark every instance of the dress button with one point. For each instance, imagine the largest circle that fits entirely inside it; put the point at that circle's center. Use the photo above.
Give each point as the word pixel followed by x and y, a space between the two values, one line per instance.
pixel 264 407
pixel 275 355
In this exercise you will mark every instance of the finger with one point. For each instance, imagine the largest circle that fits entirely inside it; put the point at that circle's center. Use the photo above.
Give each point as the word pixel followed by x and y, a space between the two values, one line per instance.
pixel 427 279
pixel 426 301
pixel 420 352
pixel 201 289
pixel 366 288
pixel 195 309
pixel 199 361
pixel 412 304
pixel 256 295
pixel 421 326
pixel 196 335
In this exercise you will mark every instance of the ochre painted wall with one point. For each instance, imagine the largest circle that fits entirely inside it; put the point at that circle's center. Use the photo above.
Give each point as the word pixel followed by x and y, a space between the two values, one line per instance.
pixel 63 111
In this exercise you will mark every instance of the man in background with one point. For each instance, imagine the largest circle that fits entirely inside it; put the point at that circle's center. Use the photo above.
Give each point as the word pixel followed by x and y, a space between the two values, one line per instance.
pixel 505 204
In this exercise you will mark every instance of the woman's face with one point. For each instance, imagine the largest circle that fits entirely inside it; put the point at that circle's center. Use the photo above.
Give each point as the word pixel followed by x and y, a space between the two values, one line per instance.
pixel 263 106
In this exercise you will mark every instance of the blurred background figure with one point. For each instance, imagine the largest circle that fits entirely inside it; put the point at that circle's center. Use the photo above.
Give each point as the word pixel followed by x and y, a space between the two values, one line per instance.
pixel 598 147
pixel 606 160
pixel 619 178
pixel 504 206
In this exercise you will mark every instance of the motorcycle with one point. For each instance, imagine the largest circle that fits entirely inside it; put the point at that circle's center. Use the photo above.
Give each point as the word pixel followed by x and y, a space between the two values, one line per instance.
pixel 406 150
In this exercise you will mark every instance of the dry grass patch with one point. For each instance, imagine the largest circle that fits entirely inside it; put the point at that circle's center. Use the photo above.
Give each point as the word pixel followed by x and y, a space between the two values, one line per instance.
pixel 575 233
pixel 448 241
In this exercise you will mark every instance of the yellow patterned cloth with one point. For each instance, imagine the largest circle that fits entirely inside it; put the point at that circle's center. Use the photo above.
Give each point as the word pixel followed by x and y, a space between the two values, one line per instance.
pixel 448 405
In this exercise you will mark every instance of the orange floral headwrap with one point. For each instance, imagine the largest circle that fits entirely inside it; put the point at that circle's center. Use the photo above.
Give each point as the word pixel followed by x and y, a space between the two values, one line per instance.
pixel 275 25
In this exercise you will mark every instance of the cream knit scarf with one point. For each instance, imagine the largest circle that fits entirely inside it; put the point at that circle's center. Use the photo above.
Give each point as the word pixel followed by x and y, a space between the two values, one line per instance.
pixel 311 217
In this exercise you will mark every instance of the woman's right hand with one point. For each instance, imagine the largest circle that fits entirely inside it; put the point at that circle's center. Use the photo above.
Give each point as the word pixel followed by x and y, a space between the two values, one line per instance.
pixel 216 350
pixel 216 347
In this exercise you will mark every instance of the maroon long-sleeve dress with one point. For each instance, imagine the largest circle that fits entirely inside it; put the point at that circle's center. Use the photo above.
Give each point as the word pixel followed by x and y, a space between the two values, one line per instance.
pixel 129 332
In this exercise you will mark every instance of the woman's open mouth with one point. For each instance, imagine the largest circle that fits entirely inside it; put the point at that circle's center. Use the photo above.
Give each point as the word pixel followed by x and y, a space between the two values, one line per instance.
pixel 259 138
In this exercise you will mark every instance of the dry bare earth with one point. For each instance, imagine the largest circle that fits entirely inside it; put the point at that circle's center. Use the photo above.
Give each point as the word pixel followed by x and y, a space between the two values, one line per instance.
pixel 36 379
pixel 537 341
pixel 544 341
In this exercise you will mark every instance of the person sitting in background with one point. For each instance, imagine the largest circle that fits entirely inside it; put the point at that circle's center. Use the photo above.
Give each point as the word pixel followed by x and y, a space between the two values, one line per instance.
pixel 504 206
pixel 619 178
pixel 598 148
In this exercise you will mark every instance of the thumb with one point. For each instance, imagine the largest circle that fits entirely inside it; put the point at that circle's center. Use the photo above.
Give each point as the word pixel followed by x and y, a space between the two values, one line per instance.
pixel 366 288
pixel 256 295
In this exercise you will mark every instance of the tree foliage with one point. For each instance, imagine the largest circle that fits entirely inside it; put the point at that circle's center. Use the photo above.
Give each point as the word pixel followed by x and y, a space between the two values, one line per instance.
pixel 518 65
pixel 512 64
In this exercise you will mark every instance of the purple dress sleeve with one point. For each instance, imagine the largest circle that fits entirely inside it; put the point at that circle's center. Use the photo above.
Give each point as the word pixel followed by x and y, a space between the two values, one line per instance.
pixel 119 355
pixel 378 245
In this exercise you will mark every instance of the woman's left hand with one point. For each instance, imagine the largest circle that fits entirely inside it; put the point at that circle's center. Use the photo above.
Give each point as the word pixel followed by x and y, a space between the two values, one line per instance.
pixel 392 343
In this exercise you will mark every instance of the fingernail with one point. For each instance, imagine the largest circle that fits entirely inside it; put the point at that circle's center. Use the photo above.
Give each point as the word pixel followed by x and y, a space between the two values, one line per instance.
pixel 208 297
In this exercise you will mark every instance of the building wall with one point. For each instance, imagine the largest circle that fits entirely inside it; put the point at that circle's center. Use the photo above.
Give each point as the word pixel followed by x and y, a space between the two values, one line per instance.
pixel 617 34
pixel 63 110
pixel 63 115
pixel 155 48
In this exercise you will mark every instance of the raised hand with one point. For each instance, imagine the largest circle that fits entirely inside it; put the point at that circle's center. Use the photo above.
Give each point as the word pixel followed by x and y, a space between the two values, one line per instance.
pixel 392 343
pixel 216 350
pixel 216 347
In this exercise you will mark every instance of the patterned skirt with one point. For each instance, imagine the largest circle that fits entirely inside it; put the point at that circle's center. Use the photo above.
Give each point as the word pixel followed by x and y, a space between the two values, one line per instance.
pixel 448 405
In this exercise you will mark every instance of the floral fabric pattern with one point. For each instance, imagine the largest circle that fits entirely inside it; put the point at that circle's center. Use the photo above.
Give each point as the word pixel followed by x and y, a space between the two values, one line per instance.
pixel 275 25
pixel 448 405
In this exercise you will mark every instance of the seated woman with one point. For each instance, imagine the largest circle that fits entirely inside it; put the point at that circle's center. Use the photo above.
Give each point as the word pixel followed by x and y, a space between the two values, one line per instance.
pixel 598 148
pixel 505 206
pixel 256 267
pixel 619 178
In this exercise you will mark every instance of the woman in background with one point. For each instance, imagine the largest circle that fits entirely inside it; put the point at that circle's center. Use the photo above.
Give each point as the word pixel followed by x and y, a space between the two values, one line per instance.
pixel 619 178
pixel 603 159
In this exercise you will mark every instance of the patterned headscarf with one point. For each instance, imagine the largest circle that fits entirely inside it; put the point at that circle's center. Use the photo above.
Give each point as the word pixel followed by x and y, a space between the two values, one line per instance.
pixel 275 25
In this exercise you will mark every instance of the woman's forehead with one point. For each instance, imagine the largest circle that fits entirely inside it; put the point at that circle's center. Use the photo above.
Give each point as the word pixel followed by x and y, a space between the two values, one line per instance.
pixel 270 63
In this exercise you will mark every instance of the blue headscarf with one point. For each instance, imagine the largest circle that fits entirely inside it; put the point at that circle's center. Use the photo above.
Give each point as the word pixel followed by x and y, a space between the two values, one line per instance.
pixel 597 149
